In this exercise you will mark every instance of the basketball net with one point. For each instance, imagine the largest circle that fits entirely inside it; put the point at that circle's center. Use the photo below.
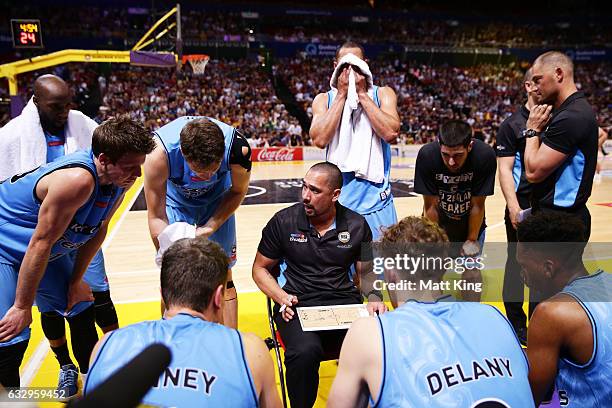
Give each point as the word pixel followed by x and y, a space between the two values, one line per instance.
pixel 197 62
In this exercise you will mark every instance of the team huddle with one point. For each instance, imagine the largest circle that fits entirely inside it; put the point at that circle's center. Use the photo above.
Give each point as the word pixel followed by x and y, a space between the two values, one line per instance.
pixel 432 349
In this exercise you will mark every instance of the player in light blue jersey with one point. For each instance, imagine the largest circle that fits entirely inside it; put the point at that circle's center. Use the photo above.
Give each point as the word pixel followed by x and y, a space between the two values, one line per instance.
pixel 372 200
pixel 65 131
pixel 212 365
pixel 569 338
pixel 50 213
pixel 431 351
pixel 199 173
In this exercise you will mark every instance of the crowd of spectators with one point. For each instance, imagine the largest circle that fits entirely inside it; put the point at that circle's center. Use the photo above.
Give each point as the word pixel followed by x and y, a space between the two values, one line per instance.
pixel 450 32
pixel 235 92
pixel 129 23
pixel 483 95
pixel 242 94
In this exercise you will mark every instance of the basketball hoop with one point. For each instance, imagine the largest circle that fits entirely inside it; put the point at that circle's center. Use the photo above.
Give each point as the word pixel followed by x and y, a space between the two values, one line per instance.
pixel 197 62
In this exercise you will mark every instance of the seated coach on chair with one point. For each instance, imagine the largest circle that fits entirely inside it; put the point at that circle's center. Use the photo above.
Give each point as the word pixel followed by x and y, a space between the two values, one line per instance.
pixel 319 240
pixel 212 365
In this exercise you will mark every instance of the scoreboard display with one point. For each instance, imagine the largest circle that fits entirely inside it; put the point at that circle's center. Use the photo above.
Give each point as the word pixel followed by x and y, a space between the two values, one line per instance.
pixel 26 33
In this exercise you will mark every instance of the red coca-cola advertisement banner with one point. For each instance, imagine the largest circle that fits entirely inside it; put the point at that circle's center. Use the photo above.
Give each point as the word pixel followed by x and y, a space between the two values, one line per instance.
pixel 267 154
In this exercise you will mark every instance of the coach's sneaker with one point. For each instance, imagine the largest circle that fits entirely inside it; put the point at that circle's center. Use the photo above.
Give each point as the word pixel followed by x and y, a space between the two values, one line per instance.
pixel 67 386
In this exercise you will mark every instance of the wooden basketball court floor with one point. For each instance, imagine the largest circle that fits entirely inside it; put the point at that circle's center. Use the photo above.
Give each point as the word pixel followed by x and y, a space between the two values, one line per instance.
pixel 134 278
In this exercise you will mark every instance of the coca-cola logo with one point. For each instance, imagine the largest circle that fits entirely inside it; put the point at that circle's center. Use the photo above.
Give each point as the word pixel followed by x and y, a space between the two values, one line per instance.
pixel 282 154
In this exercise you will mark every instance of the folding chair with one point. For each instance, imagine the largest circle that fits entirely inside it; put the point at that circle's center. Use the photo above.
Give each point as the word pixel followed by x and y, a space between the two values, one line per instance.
pixel 275 342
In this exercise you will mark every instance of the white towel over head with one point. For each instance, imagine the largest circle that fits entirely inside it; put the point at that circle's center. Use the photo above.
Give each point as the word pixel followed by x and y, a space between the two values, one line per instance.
pixel 355 147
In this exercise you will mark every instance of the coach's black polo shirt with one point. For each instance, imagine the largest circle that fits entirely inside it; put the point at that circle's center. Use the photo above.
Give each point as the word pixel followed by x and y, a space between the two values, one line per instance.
pixel 317 267
pixel 511 143
pixel 572 130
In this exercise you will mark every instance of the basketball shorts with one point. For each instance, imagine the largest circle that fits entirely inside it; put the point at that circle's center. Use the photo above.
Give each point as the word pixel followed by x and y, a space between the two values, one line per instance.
pixel 380 219
pixel 52 294
pixel 224 236
pixel 8 286
pixel 95 275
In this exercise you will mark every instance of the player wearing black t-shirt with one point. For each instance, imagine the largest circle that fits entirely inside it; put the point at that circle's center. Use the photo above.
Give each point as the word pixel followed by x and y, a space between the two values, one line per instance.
pixel 517 190
pixel 561 161
pixel 455 174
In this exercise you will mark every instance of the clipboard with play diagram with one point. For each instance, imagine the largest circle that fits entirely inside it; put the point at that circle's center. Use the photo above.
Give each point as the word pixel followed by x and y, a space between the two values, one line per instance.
pixel 315 318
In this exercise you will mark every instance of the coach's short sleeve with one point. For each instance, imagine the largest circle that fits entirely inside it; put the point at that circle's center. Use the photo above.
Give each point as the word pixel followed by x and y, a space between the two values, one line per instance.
pixel 366 243
pixel 269 246
pixel 485 167
pixel 563 133
pixel 506 140
pixel 424 182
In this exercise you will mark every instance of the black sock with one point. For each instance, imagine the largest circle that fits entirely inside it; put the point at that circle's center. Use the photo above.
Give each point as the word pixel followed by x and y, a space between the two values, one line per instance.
pixel 62 355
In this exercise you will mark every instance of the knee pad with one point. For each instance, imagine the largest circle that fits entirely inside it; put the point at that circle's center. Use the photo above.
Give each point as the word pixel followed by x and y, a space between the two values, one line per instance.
pixel 84 336
pixel 53 325
pixel 106 315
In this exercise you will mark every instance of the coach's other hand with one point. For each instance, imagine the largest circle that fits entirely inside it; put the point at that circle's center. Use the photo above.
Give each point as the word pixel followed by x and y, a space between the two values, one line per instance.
pixel 14 321
pixel 78 291
pixel 376 308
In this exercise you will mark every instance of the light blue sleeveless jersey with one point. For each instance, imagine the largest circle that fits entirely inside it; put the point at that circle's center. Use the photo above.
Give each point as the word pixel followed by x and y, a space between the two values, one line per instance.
pixel 55 146
pixel 95 276
pixel 184 188
pixel 451 354
pixel 208 367
pixel 360 195
pixel 19 210
pixel 590 385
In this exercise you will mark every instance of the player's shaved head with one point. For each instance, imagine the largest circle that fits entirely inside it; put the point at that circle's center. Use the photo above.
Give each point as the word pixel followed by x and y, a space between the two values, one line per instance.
pixel 50 85
pixel 52 98
pixel 555 59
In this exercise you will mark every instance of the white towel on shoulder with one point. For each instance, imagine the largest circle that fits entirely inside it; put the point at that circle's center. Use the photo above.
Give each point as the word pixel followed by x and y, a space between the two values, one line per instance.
pixel 170 234
pixel 22 141
pixel 355 147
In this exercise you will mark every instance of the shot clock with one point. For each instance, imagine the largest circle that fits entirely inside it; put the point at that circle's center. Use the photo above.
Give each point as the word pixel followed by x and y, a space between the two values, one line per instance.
pixel 26 33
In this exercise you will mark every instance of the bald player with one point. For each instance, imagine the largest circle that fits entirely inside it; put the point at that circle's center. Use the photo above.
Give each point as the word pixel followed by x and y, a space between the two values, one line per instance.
pixel 212 365
pixel 65 131
pixel 569 338
pixel 431 351
pixel 372 200
pixel 561 147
